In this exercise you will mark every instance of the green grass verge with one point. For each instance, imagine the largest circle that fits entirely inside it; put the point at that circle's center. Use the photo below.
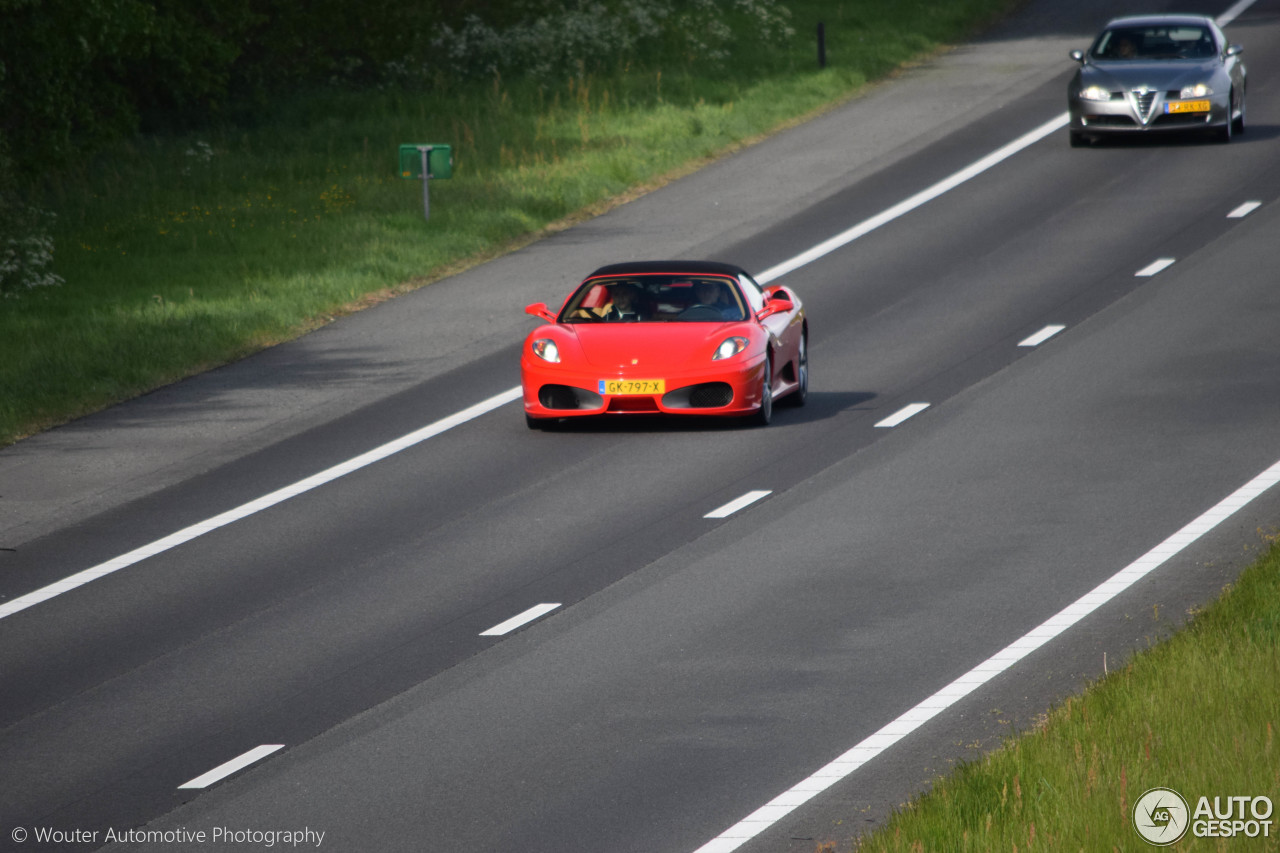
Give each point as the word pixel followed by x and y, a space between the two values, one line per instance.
pixel 1198 713
pixel 182 254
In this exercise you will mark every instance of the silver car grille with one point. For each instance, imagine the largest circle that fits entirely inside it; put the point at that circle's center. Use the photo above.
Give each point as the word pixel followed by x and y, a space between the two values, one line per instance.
pixel 1144 101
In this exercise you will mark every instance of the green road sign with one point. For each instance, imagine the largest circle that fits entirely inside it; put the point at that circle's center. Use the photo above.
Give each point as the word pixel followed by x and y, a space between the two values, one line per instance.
pixel 439 161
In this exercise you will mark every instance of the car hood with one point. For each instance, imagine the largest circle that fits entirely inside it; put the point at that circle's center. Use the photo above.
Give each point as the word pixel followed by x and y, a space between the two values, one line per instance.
pixel 1157 74
pixel 656 346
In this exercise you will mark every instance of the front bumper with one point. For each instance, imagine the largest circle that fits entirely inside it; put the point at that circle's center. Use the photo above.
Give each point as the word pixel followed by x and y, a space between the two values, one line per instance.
pixel 556 391
pixel 1145 112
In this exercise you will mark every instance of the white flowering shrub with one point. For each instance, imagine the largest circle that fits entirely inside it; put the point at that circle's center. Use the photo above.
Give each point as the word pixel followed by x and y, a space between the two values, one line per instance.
pixel 199 153
pixel 593 34
pixel 26 248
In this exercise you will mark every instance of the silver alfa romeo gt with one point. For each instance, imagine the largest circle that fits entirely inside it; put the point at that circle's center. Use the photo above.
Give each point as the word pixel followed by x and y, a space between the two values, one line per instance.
pixel 1157 73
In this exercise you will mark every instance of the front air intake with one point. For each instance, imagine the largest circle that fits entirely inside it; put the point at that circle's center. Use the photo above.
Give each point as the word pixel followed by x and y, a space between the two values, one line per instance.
pixel 708 395
pixel 568 397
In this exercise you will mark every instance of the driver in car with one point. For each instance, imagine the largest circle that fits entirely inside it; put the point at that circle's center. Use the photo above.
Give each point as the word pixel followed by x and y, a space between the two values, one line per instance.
pixel 624 303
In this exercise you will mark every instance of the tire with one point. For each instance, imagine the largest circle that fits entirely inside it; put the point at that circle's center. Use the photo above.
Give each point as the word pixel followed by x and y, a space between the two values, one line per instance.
pixel 1238 121
pixel 799 396
pixel 764 414
pixel 1078 140
pixel 540 424
pixel 1225 132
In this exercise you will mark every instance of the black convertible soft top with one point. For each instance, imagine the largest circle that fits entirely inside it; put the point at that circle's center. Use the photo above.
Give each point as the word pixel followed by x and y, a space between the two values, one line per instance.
pixel 677 267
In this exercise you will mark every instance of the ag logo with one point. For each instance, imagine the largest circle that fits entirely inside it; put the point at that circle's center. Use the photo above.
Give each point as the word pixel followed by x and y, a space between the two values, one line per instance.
pixel 1161 816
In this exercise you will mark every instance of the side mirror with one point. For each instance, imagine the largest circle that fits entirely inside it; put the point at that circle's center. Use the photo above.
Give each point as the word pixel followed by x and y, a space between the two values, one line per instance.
pixel 540 310
pixel 777 303
pixel 1077 55
pixel 1234 49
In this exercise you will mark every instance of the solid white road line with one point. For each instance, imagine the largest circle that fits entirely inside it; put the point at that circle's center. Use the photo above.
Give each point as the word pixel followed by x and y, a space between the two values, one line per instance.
pixel 535 612
pixel 1234 12
pixel 923 197
pixel 1041 336
pixel 1244 210
pixel 173 540
pixel 737 503
pixel 1155 267
pixel 769 814
pixel 902 414
pixel 222 771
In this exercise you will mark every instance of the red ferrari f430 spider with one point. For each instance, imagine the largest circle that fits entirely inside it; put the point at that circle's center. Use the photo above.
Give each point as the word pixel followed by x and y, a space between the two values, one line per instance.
pixel 669 337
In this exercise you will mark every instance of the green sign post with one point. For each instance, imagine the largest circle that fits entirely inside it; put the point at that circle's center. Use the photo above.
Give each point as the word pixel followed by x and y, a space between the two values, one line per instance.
pixel 426 162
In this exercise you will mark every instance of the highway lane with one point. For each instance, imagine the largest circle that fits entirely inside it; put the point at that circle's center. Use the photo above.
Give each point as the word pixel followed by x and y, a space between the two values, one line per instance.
pixel 327 606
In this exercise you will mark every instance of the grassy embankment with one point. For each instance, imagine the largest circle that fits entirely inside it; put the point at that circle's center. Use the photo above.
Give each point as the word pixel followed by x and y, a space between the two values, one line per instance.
pixel 1198 713
pixel 183 253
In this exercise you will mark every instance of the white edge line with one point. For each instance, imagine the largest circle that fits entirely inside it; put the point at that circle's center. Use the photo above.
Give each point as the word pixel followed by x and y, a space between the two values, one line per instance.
pixel 1041 336
pixel 173 540
pixel 1158 265
pixel 902 414
pixel 873 746
pixel 1234 12
pixel 535 612
pixel 737 503
pixel 222 771
pixel 868 225
pixel 1244 210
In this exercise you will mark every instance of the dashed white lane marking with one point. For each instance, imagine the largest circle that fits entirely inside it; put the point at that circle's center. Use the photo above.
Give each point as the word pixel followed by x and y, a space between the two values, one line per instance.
pixel 1244 210
pixel 1155 267
pixel 173 540
pixel 737 503
pixel 222 771
pixel 902 414
pixel 1041 336
pixel 535 612
pixel 769 814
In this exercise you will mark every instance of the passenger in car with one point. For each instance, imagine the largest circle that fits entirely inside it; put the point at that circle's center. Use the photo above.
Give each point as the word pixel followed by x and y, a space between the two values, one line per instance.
pixel 713 294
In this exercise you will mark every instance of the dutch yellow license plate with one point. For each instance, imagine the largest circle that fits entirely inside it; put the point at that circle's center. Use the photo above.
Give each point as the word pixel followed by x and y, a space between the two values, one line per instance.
pixel 1187 107
pixel 632 387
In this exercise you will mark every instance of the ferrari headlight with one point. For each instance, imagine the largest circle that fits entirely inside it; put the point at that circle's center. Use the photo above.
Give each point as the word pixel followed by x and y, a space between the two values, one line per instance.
pixel 731 347
pixel 1095 93
pixel 545 349
pixel 1199 90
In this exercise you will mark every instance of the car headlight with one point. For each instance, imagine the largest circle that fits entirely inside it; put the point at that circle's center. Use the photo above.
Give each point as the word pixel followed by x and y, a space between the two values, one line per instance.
pixel 731 347
pixel 1199 90
pixel 1095 93
pixel 546 349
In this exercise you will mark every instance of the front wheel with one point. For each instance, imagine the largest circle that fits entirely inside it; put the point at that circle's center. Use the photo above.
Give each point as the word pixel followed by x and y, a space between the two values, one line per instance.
pixel 799 396
pixel 1228 130
pixel 764 414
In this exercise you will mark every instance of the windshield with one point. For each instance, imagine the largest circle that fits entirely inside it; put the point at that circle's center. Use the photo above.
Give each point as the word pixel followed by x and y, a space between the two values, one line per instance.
pixel 1185 41
pixel 656 299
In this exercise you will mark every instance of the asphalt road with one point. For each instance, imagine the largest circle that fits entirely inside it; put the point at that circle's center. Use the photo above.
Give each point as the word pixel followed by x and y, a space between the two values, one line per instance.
pixel 694 668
